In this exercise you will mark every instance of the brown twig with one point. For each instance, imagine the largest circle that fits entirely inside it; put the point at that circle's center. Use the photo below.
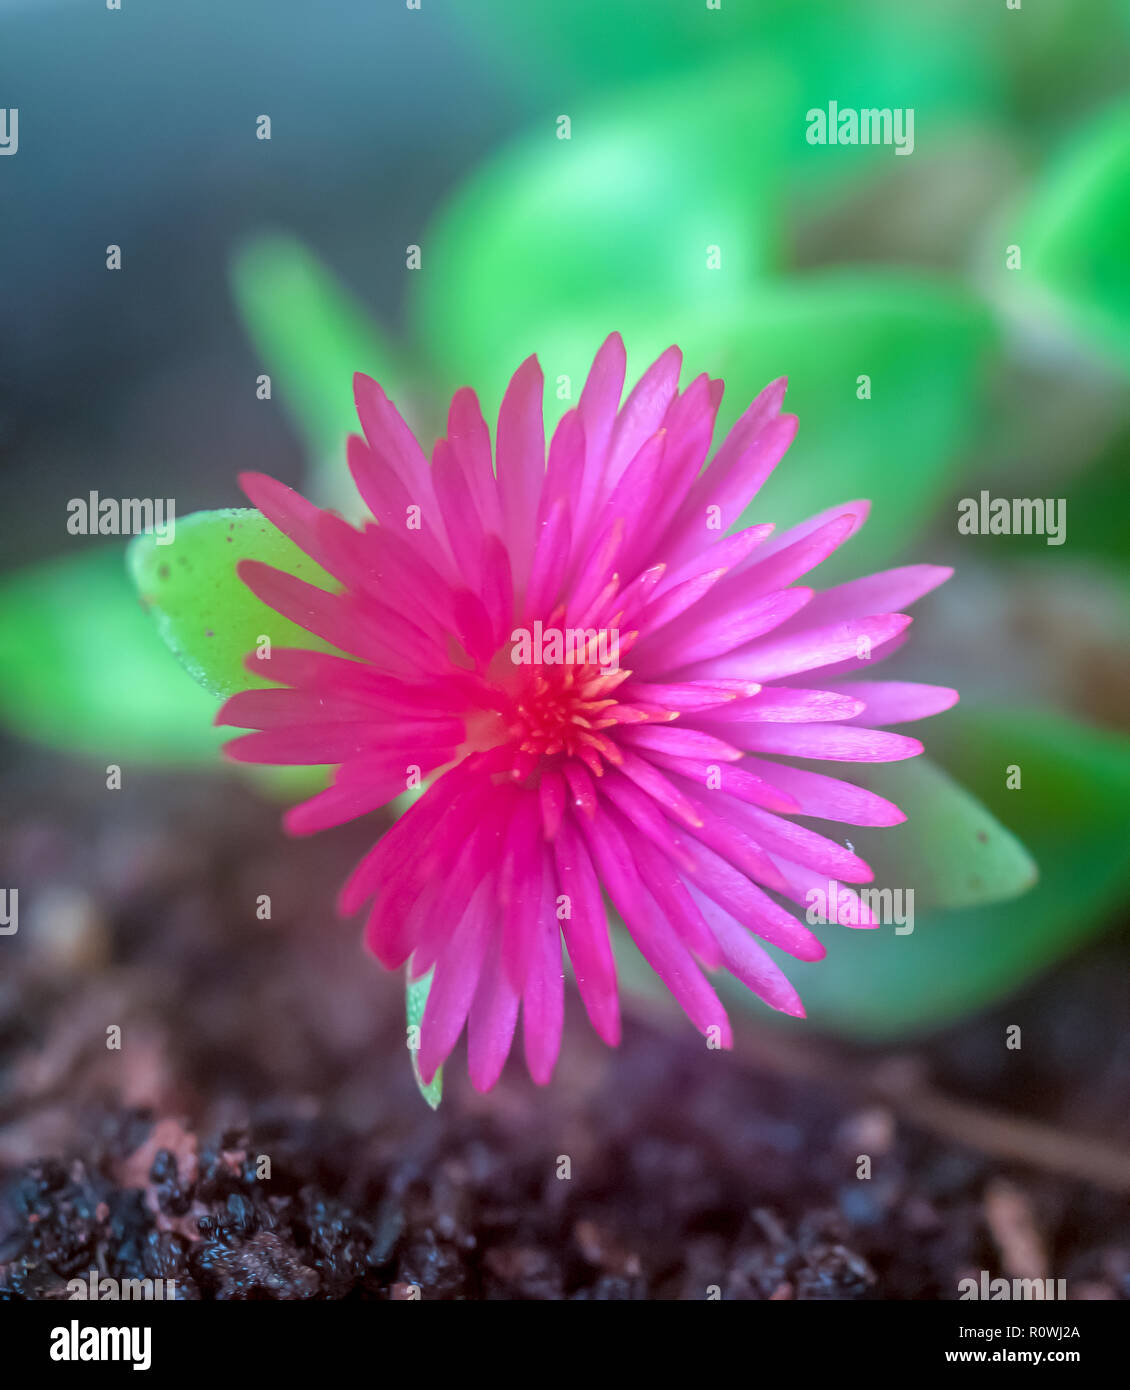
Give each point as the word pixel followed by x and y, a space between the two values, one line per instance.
pixel 899 1082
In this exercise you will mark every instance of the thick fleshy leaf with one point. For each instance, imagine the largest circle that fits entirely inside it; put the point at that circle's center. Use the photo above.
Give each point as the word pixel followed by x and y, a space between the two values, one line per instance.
pixel 1073 238
pixel 416 997
pixel 922 342
pixel 915 55
pixel 1070 810
pixel 628 208
pixel 313 335
pixel 922 345
pixel 83 670
pixel 210 619
pixel 950 849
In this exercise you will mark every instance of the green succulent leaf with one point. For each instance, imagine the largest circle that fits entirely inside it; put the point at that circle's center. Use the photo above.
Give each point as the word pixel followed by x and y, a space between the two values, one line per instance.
pixel 1070 811
pixel 950 849
pixel 83 672
pixel 913 55
pixel 1073 238
pixel 922 343
pixel 627 208
pixel 313 336
pixel 416 997
pixel 208 617
pixel 922 346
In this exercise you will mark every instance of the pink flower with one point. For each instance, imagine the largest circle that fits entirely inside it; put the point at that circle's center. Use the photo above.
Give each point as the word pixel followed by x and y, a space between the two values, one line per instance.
pixel 559 770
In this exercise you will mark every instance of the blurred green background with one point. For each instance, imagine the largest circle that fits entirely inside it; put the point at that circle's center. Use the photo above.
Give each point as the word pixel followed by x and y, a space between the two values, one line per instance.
pixel 980 283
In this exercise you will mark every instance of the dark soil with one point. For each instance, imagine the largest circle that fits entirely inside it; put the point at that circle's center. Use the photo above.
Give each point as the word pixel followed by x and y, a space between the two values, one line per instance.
pixel 692 1173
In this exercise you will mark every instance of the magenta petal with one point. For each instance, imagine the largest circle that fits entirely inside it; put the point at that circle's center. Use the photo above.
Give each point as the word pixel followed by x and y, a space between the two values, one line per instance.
pixel 491 1022
pixel 748 961
pixel 838 742
pixel 857 511
pixel 457 507
pixel 806 650
pixel 816 794
pixel 339 804
pixel 887 592
pixel 469 441
pixel 388 435
pixel 286 509
pixel 783 704
pixel 897 702
pixel 652 933
pixel 735 779
pixel 730 889
pixel 642 414
pixel 520 449
pixel 647 815
pixel 666 885
pixel 585 929
pixel 600 400
pixel 697 637
pixel 454 984
pixel 564 469
pixel 543 1000
pixel 784 837
pixel 308 746
pixel 817 891
pixel 767 570
pixel 750 452
pixel 551 555
pixel 681 743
